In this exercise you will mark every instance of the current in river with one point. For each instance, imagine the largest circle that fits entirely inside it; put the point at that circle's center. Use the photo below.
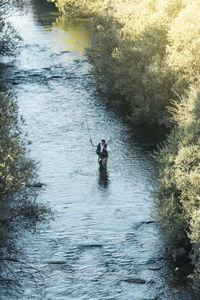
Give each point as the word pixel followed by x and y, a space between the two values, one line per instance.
pixel 103 242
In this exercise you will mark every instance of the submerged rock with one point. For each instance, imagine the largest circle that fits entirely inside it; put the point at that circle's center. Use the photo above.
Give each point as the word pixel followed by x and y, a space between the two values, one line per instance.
pixel 57 262
pixel 135 280
pixel 155 268
pixel 36 184
pixel 89 246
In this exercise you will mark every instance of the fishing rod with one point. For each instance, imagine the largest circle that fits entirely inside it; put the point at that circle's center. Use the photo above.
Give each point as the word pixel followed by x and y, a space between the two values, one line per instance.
pixel 88 128
pixel 89 131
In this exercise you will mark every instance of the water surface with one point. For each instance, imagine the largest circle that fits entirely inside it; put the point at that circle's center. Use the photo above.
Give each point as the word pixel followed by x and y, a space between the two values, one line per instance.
pixel 102 236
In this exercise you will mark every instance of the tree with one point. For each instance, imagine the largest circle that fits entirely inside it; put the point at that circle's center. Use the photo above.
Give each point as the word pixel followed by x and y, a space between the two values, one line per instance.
pixel 8 35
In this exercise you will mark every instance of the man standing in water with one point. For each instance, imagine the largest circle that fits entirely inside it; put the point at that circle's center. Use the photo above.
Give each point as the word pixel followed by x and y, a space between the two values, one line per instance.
pixel 102 152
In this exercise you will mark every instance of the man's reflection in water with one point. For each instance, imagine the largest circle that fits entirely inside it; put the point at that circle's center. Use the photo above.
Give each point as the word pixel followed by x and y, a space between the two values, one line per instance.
pixel 103 179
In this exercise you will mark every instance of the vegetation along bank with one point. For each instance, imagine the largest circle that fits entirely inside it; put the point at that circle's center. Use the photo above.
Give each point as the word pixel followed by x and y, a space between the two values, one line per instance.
pixel 18 206
pixel 146 56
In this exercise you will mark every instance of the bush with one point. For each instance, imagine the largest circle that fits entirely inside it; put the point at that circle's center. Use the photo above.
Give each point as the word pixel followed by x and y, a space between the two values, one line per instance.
pixel 183 49
pixel 178 195
pixel 16 170
pixel 84 8
pixel 18 206
pixel 8 35
pixel 143 53
pixel 130 56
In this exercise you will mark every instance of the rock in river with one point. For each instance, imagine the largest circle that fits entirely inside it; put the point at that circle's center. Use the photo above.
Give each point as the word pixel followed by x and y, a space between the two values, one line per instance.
pixel 135 280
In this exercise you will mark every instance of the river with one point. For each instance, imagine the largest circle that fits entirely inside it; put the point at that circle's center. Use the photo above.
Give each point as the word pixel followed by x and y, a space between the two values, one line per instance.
pixel 103 243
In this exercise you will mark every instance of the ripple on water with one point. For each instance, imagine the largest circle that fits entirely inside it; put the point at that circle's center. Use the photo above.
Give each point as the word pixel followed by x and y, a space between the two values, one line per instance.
pixel 102 243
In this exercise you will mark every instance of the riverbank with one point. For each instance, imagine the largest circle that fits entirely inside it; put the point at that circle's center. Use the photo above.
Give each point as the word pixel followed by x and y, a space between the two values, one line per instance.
pixel 178 197
pixel 138 55
pixel 19 209
pixel 145 59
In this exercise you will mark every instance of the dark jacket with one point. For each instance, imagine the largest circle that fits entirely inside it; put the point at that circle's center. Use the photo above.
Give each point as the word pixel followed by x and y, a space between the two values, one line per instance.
pixel 104 153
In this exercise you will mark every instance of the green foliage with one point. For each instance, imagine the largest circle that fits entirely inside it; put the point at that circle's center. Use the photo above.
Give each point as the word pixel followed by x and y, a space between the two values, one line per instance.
pixel 144 52
pixel 147 55
pixel 84 8
pixel 15 169
pixel 178 195
pixel 18 206
pixel 8 35
pixel 130 56
pixel 183 50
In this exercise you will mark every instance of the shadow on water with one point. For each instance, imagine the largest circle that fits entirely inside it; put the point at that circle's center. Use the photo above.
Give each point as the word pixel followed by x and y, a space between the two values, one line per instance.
pixel 19 214
pixel 147 136
pixel 103 179
pixel 42 8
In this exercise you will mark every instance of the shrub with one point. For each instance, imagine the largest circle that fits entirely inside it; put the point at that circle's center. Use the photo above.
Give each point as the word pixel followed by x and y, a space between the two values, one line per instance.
pixel 84 8
pixel 8 35
pixel 18 206
pixel 178 194
pixel 143 53
pixel 15 168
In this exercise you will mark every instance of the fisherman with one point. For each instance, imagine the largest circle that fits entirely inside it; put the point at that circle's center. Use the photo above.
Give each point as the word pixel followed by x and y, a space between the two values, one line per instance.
pixel 102 152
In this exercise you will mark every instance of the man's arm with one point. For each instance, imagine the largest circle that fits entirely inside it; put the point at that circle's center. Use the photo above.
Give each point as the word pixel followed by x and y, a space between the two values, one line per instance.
pixel 92 143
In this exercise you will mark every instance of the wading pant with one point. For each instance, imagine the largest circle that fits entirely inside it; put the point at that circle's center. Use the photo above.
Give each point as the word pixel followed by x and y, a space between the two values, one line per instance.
pixel 103 162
